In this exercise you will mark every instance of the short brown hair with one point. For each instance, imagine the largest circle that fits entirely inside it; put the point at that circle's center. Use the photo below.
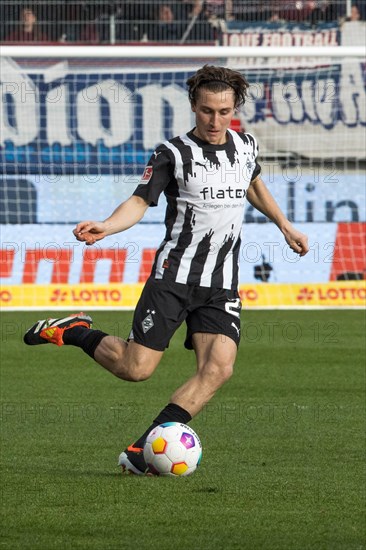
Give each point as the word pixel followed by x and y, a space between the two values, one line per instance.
pixel 217 79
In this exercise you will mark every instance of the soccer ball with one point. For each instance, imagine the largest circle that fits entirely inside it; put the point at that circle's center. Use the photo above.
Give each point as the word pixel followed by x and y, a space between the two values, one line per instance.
pixel 172 449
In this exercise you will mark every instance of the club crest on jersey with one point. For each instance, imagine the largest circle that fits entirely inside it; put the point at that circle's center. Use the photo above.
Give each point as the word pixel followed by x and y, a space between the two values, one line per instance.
pixel 146 176
pixel 250 165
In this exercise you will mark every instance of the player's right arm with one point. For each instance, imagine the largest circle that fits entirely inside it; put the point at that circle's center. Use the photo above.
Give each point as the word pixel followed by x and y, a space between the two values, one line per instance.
pixel 125 216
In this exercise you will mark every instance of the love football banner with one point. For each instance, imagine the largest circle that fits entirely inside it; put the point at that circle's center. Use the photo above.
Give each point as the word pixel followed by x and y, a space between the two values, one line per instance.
pixel 280 34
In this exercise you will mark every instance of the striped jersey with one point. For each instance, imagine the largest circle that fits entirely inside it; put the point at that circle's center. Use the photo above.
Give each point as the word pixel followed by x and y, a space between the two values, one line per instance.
pixel 205 187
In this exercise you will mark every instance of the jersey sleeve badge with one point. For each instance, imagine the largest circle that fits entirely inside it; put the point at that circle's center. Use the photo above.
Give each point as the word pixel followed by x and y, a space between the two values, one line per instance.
pixel 146 176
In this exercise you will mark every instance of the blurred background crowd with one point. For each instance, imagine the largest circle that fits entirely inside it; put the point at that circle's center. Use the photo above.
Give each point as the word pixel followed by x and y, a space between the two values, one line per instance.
pixel 168 21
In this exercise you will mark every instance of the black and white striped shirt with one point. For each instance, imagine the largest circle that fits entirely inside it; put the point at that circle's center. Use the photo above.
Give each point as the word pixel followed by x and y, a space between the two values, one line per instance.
pixel 205 187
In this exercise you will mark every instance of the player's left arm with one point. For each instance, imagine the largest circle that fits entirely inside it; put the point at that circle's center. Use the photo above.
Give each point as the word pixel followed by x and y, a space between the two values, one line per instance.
pixel 260 197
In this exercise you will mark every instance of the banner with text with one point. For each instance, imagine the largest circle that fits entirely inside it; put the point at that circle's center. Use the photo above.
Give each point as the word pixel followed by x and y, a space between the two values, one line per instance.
pixel 280 34
pixel 112 296
pixel 42 254
pixel 59 118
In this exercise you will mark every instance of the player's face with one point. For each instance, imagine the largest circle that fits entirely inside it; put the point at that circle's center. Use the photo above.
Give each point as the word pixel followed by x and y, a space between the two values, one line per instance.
pixel 214 112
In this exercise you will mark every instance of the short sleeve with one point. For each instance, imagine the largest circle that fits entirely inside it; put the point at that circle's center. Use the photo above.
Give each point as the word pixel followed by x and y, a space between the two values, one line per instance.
pixel 158 173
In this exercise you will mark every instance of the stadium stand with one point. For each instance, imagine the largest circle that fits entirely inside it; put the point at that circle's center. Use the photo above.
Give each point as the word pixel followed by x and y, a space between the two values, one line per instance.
pixel 173 21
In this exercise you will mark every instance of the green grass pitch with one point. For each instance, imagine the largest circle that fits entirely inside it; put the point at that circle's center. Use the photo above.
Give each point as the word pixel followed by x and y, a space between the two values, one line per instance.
pixel 283 443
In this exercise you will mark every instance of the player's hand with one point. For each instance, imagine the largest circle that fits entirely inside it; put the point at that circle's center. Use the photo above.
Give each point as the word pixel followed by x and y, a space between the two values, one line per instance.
pixel 90 232
pixel 298 242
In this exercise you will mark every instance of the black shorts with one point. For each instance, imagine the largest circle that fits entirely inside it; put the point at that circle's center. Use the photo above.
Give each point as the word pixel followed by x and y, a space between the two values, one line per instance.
pixel 164 305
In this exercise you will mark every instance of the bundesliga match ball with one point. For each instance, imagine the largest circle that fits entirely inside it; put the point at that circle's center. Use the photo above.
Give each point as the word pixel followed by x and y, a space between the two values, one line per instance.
pixel 172 449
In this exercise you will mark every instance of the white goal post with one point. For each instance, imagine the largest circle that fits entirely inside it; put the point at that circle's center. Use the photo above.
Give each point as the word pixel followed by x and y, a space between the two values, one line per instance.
pixel 79 123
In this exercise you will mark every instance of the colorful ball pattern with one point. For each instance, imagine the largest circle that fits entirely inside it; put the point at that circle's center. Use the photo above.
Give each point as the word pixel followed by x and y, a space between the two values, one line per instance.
pixel 172 449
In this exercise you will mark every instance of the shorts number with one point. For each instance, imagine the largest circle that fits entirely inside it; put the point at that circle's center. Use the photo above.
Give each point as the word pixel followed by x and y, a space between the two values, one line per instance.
pixel 233 307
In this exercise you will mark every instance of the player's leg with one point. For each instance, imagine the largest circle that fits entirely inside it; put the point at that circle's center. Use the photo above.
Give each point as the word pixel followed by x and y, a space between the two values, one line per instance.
pixel 213 331
pixel 216 354
pixel 126 360
pixel 215 351
pixel 157 315
pixel 157 325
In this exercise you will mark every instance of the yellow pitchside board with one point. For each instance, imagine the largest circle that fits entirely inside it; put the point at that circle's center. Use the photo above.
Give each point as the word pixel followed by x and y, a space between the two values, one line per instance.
pixel 125 296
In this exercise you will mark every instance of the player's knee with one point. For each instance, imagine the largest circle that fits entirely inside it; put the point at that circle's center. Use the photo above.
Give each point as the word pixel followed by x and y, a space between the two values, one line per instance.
pixel 226 372
pixel 217 373
pixel 136 371
pixel 138 363
pixel 140 374
pixel 133 375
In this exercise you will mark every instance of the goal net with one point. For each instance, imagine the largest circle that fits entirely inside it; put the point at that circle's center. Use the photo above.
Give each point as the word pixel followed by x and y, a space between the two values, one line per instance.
pixel 79 124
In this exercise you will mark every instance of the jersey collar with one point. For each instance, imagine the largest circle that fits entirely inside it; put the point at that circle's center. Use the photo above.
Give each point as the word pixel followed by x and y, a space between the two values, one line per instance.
pixel 210 146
